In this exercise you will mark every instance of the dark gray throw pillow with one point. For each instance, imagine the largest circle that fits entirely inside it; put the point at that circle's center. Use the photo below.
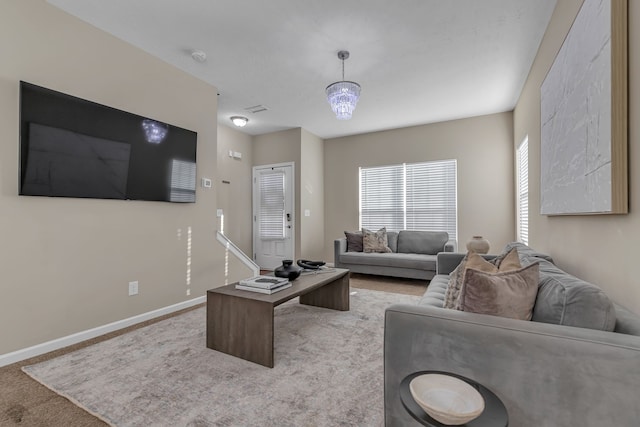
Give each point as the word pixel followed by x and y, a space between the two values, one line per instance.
pixel 354 241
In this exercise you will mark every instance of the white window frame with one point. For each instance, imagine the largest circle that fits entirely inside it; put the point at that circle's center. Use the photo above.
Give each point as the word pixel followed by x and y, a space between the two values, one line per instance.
pixel 390 198
pixel 522 191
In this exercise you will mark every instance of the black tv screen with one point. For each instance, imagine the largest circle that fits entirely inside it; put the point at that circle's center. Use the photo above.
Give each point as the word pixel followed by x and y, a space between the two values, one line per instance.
pixel 70 147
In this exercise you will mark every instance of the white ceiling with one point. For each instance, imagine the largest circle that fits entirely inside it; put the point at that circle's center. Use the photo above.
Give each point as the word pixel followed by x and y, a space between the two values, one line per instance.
pixel 418 61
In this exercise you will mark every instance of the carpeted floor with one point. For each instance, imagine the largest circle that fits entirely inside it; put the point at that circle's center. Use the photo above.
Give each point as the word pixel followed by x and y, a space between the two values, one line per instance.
pixel 24 402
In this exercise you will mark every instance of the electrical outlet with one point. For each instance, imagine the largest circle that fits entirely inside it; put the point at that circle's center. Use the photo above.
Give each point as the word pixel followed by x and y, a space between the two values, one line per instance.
pixel 133 288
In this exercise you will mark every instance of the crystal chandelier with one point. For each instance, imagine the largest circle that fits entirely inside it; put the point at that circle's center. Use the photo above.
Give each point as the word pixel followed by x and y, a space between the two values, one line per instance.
pixel 343 95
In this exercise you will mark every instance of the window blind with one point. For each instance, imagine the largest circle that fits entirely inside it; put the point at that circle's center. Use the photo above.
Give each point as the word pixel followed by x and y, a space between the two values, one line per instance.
pixel 431 197
pixel 522 160
pixel 382 197
pixel 416 196
pixel 272 204
pixel 183 181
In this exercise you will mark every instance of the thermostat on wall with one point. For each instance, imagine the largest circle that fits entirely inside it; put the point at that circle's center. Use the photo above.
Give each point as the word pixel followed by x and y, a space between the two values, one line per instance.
pixel 206 182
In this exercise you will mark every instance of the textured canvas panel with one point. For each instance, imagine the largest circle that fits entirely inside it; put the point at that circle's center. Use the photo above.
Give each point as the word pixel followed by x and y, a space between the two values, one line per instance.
pixel 575 154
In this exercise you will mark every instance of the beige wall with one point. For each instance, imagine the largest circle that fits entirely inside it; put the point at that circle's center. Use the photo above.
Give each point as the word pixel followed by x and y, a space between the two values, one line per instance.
pixel 234 195
pixel 482 147
pixel 312 197
pixel 66 263
pixel 598 248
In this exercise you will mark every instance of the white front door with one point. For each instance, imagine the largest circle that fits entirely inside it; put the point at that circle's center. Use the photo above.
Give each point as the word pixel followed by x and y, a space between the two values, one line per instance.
pixel 273 215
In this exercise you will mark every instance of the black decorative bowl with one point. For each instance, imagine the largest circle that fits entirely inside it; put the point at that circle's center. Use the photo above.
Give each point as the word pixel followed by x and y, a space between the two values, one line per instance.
pixel 288 270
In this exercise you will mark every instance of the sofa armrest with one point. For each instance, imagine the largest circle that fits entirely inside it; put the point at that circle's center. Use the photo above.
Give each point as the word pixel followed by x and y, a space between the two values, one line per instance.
pixel 339 247
pixel 450 246
pixel 546 375
pixel 446 262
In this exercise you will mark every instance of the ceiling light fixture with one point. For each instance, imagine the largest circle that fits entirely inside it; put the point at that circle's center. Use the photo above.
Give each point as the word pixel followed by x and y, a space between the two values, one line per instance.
pixel 239 121
pixel 343 95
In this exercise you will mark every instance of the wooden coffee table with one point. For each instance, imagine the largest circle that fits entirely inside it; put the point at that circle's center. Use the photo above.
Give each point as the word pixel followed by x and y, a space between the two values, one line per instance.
pixel 240 323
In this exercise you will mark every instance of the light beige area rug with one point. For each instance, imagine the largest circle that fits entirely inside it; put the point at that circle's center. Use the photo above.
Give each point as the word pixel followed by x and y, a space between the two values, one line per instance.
pixel 328 372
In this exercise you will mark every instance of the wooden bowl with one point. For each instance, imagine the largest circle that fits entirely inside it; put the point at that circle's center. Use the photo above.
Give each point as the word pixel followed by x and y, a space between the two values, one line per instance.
pixel 446 399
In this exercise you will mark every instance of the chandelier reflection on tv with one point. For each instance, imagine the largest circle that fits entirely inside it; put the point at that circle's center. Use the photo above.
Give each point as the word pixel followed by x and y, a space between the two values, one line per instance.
pixel 154 132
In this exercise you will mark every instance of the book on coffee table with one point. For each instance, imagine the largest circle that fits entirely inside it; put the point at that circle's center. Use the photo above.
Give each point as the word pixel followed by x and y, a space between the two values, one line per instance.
pixel 264 282
pixel 263 290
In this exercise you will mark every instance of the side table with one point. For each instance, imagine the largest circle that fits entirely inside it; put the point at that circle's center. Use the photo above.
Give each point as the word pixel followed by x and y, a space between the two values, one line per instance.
pixel 494 414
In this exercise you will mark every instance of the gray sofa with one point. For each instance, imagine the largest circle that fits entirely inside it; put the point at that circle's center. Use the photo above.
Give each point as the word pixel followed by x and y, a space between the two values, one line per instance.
pixel 577 363
pixel 413 255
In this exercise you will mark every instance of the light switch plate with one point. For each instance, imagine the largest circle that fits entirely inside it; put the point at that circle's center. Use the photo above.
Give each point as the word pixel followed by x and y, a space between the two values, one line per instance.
pixel 133 288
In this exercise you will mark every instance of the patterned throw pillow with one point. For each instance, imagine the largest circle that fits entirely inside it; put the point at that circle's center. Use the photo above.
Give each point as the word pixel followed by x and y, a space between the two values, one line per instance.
pixel 509 294
pixel 455 283
pixel 375 241
pixel 354 241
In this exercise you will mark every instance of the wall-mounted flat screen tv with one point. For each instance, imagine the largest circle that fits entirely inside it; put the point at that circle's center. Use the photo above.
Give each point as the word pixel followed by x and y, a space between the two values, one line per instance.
pixel 71 147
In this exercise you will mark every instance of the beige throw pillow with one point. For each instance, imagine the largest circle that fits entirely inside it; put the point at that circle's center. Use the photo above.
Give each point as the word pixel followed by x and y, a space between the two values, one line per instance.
pixel 509 294
pixel 510 261
pixel 511 258
pixel 375 241
pixel 470 260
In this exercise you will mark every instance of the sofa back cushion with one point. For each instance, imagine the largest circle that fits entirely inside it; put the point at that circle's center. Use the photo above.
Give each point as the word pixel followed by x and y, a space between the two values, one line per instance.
pixel 564 299
pixel 567 300
pixel 422 242
pixel 392 240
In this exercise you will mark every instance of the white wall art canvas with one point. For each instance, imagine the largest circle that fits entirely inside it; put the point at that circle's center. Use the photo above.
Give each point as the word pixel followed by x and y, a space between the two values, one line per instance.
pixel 577 153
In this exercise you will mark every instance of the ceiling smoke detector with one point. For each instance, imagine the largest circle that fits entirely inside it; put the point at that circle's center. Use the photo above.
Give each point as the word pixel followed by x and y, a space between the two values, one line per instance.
pixel 199 56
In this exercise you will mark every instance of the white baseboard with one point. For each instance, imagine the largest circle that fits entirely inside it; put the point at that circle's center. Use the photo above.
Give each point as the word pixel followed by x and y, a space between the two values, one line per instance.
pixel 36 350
